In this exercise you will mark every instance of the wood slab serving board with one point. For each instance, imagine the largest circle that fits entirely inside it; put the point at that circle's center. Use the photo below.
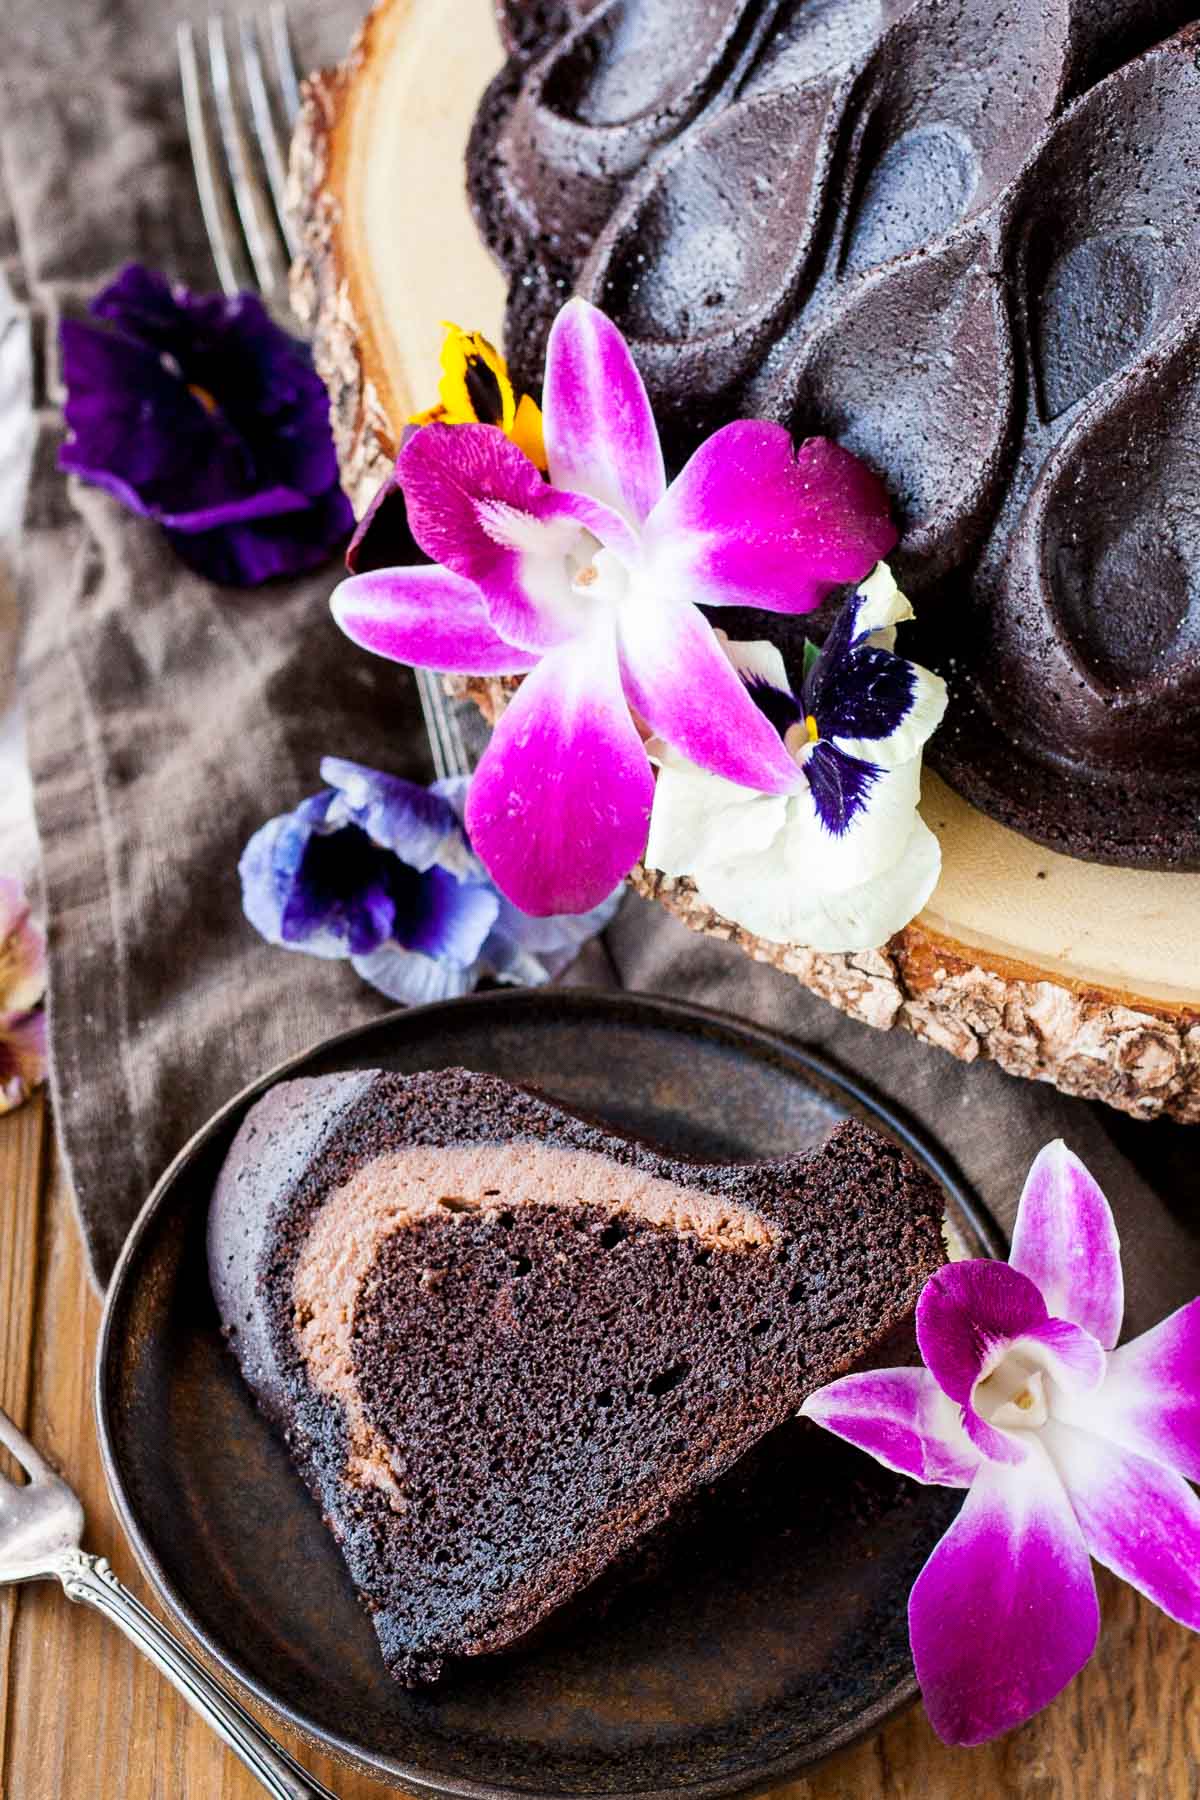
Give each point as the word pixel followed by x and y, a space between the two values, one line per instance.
pixel 1061 970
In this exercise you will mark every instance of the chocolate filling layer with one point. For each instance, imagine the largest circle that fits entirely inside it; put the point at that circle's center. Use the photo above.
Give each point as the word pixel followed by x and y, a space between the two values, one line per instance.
pixel 421 1185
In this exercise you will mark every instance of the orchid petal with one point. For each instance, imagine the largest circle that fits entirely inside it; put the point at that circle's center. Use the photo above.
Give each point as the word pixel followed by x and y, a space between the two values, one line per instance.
pixel 471 496
pixel 478 506
pixel 969 1315
pixel 1004 1613
pixel 1150 1400
pixel 600 435
pixel 1140 1520
pixel 425 616
pixel 680 680
pixel 539 556
pixel 521 949
pixel 751 521
pixel 968 1312
pixel 560 803
pixel 902 1418
pixel 1065 1240
pixel 446 471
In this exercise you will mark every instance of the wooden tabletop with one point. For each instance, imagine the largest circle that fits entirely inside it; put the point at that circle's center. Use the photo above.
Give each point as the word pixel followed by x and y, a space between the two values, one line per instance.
pixel 82 1717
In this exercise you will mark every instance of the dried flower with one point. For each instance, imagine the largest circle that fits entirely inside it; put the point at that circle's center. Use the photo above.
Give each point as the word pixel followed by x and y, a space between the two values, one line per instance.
pixel 22 985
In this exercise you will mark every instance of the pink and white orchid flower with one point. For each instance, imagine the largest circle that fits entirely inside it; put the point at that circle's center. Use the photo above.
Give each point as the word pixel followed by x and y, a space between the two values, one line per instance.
pixel 1069 1449
pixel 591 586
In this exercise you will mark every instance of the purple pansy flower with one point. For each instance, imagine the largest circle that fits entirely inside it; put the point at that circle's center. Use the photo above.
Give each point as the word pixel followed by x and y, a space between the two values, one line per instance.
pixel 1070 1449
pixel 379 871
pixel 844 859
pixel 591 586
pixel 198 411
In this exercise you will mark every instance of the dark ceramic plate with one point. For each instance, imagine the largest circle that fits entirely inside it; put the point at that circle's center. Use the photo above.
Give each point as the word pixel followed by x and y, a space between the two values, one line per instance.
pixel 741 1667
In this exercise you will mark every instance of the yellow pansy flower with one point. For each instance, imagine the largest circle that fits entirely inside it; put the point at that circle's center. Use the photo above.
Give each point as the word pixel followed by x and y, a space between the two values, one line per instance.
pixel 475 390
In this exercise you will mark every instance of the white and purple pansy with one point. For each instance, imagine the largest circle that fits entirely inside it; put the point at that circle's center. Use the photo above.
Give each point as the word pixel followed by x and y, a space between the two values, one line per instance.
pixel 379 871
pixel 590 585
pixel 1070 1449
pixel 841 859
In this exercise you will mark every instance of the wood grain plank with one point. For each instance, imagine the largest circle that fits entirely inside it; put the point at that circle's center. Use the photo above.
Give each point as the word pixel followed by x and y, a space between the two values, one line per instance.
pixel 81 1715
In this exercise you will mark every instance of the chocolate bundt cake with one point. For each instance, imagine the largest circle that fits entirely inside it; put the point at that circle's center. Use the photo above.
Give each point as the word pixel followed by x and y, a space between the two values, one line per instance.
pixel 959 236
pixel 508 1348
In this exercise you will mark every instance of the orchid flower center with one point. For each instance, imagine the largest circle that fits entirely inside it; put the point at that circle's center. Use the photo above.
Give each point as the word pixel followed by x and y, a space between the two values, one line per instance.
pixel 1013 1396
pixel 595 574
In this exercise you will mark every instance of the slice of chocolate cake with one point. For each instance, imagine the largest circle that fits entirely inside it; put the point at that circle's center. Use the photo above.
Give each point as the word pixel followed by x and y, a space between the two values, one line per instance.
pixel 506 1346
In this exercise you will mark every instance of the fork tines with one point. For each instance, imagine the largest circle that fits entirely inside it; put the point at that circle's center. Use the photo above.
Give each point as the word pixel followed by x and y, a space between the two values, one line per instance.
pixel 240 110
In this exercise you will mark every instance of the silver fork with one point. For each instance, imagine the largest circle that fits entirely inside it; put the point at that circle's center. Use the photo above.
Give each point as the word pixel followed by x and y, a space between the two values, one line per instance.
pixel 41 1527
pixel 239 123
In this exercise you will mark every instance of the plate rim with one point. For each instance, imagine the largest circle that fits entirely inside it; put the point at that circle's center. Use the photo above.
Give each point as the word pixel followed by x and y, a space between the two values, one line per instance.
pixel 679 1015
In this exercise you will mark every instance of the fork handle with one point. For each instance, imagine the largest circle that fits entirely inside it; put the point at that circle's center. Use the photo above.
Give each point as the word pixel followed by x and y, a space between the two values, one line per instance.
pixel 91 1580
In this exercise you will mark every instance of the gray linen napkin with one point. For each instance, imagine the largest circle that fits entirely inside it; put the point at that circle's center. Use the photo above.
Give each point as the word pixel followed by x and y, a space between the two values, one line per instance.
pixel 167 719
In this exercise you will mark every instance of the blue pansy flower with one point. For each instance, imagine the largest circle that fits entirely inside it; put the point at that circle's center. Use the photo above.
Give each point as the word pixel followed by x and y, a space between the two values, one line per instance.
pixel 198 411
pixel 843 860
pixel 379 871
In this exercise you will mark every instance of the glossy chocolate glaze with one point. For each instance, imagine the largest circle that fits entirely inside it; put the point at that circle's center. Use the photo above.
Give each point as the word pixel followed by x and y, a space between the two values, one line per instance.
pixel 959 236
